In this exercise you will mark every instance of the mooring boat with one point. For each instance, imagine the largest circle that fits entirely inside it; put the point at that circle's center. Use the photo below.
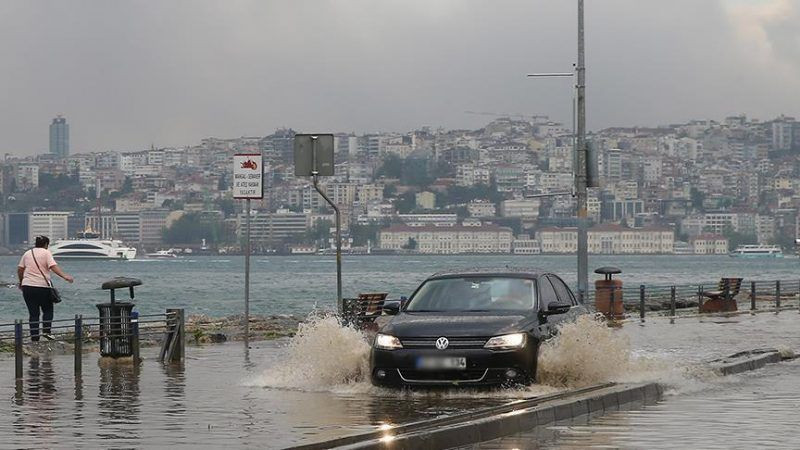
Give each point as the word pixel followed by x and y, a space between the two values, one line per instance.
pixel 757 251
pixel 88 245
pixel 163 254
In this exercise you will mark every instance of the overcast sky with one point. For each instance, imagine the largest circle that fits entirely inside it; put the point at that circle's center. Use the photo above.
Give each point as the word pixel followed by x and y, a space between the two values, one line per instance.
pixel 130 73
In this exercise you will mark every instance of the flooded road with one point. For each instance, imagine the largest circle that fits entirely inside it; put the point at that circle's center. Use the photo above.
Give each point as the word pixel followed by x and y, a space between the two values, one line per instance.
pixel 227 395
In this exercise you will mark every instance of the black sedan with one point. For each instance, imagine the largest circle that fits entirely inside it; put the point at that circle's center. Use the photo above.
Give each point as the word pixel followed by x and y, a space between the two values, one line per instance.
pixel 479 327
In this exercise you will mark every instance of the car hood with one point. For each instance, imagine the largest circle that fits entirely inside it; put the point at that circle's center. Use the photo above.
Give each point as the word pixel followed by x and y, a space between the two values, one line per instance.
pixel 407 325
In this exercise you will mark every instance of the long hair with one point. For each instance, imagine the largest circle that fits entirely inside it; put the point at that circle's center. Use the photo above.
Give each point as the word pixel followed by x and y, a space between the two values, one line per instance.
pixel 42 241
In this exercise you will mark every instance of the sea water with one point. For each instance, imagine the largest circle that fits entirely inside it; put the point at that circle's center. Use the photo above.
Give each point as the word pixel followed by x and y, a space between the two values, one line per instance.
pixel 214 285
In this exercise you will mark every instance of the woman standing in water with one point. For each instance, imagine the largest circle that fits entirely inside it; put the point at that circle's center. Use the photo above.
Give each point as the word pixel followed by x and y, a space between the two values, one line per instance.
pixel 34 279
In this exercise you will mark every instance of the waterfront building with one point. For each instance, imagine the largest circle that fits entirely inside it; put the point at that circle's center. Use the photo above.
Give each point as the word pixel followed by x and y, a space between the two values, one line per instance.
pixel 15 228
pixel 609 239
pixel 444 240
pixel 524 245
pixel 126 227
pixel 152 224
pixel 53 224
pixel 59 138
pixel 272 228
pixel 709 244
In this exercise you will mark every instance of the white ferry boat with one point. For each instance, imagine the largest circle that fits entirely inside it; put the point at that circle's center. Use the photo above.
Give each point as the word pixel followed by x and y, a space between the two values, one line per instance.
pixel 757 251
pixel 88 245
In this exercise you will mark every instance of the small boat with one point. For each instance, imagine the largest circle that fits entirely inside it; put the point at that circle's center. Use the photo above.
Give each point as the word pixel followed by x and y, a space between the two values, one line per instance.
pixel 88 245
pixel 757 251
pixel 163 254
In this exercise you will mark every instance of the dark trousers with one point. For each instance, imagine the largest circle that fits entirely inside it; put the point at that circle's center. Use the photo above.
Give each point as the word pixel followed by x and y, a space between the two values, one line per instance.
pixel 38 298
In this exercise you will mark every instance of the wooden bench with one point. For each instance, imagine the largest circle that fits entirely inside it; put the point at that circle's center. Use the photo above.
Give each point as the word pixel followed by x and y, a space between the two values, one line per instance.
pixel 723 299
pixel 369 306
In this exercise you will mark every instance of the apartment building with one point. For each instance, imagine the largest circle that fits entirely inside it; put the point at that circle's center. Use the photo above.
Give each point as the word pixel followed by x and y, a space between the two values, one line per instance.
pixel 53 224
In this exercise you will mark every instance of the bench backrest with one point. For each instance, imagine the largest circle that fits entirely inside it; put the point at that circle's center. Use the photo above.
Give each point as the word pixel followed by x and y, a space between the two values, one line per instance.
pixel 371 302
pixel 730 285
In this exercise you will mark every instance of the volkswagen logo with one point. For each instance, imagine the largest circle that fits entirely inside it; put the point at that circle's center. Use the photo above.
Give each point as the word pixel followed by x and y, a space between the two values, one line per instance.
pixel 442 343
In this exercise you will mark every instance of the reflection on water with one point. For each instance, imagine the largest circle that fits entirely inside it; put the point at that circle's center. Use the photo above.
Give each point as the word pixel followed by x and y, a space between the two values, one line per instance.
pixel 758 410
pixel 210 399
pixel 118 405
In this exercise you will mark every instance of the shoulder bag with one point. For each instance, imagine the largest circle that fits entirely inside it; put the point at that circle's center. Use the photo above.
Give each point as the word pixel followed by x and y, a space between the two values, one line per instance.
pixel 55 296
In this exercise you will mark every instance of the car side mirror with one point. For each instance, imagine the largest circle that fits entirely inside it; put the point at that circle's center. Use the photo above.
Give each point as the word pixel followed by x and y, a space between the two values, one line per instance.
pixel 554 308
pixel 391 307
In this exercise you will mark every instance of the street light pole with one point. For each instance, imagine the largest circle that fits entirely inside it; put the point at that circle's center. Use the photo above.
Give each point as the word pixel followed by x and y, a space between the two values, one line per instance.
pixel 581 156
pixel 581 160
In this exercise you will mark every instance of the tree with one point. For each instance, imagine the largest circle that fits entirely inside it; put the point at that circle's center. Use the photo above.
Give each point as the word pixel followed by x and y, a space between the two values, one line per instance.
pixel 406 202
pixel 227 206
pixel 389 191
pixel 363 233
pixel 321 230
pixel 415 172
pixel 192 228
pixel 735 239
pixel 392 167
pixel 127 186
pixel 697 198
pixel 411 244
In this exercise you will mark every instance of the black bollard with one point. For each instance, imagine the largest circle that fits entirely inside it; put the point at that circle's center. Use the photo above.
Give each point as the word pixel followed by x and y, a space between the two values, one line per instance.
pixel 752 295
pixel 18 349
pixel 78 345
pixel 777 296
pixel 700 298
pixel 641 302
pixel 672 301
pixel 135 337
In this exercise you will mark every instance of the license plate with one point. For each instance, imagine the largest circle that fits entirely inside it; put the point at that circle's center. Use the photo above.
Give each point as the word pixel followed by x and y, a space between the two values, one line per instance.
pixel 439 363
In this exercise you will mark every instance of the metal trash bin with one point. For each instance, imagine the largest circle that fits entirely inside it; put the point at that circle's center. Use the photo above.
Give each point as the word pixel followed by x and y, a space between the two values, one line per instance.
pixel 116 327
pixel 608 294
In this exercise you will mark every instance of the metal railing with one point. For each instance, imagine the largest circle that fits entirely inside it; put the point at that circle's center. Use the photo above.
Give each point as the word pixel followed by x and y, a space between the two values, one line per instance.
pixel 686 299
pixel 82 330
pixel 672 300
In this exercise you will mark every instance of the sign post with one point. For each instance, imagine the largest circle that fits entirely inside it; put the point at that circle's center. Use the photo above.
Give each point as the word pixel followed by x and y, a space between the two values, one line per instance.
pixel 248 184
pixel 313 156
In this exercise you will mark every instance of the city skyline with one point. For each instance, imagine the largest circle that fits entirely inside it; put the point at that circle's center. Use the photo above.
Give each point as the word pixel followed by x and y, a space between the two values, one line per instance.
pixel 151 79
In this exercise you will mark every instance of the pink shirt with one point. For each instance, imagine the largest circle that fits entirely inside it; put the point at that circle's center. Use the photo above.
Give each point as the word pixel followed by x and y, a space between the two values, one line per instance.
pixel 32 276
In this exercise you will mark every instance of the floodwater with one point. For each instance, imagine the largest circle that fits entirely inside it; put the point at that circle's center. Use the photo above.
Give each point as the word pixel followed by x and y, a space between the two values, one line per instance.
pixel 268 396
pixel 756 409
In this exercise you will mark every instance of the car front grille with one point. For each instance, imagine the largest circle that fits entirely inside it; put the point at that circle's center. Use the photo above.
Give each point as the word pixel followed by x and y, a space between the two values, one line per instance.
pixel 446 376
pixel 454 342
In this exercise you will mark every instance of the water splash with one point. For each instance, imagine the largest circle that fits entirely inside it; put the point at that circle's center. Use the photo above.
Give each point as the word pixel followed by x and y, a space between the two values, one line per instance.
pixel 326 356
pixel 585 352
pixel 322 354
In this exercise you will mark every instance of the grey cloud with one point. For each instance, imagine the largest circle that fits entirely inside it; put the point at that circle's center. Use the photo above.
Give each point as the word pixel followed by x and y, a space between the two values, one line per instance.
pixel 127 74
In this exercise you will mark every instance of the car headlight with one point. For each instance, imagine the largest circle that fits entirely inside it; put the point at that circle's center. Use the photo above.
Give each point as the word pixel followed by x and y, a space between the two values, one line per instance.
pixel 386 342
pixel 508 341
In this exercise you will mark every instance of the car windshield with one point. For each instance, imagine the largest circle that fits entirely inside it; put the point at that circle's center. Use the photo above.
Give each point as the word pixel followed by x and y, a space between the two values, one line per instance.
pixel 474 294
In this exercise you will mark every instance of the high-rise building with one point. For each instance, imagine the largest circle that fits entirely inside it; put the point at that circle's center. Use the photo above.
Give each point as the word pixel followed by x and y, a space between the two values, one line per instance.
pixel 59 137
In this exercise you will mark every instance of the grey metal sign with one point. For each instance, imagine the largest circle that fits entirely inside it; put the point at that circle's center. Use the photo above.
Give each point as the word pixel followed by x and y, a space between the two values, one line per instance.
pixel 313 155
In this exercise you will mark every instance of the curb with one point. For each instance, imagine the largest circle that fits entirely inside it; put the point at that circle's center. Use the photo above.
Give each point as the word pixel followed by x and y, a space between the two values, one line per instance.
pixel 728 366
pixel 600 401
pixel 519 416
